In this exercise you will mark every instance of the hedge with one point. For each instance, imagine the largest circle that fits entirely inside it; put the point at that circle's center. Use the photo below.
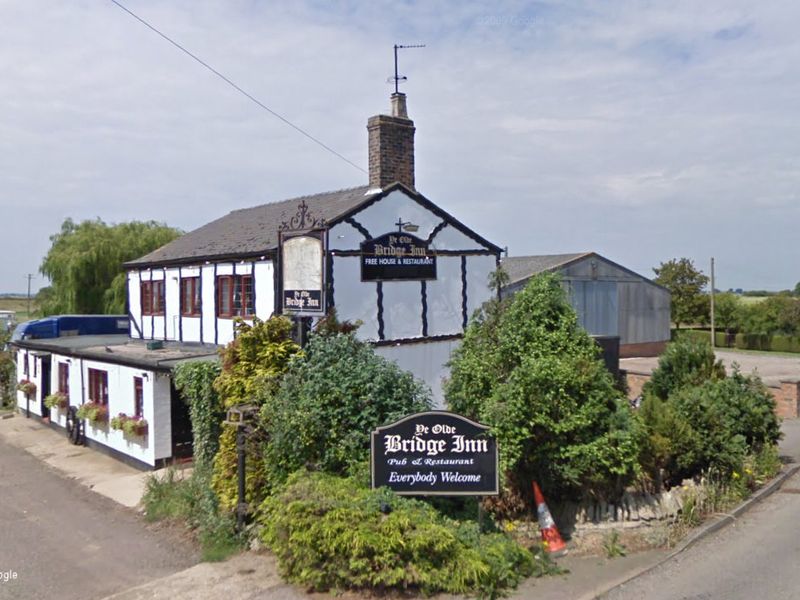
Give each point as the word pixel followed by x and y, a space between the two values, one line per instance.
pixel 744 341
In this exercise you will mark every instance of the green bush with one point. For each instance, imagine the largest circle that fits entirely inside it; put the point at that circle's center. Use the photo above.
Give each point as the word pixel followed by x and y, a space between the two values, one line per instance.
pixel 526 369
pixel 332 533
pixel 686 361
pixel 252 367
pixel 330 400
pixel 711 426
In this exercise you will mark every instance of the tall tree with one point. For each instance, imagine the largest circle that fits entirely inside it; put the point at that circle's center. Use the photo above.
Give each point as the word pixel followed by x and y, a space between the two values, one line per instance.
pixel 685 283
pixel 84 264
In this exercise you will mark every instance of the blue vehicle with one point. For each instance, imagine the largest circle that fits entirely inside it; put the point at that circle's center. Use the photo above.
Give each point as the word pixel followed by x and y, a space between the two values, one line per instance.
pixel 68 325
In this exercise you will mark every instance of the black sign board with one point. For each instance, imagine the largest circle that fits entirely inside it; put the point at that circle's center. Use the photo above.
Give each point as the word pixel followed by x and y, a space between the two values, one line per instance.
pixel 396 256
pixel 435 453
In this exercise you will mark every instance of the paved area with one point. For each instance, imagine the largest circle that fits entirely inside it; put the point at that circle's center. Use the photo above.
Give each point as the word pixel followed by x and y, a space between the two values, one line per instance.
pixel 771 368
pixel 105 475
pixel 754 558
pixel 60 540
pixel 246 576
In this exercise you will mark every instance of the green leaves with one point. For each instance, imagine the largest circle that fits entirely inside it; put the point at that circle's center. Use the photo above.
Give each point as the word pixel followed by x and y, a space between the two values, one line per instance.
pixel 84 264
pixel 330 400
pixel 686 284
pixel 530 372
pixel 329 533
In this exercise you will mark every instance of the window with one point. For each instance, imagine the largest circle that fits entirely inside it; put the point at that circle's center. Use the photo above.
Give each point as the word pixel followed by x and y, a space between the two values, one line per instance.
pixel 138 397
pixel 153 297
pixel 98 386
pixel 190 296
pixel 63 378
pixel 235 296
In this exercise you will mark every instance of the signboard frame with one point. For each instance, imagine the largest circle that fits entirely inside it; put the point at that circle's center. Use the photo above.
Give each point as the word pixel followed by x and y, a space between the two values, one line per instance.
pixel 319 236
pixel 492 451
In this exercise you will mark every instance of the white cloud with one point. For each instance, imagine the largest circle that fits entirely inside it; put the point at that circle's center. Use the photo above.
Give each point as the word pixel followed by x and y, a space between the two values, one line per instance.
pixel 643 131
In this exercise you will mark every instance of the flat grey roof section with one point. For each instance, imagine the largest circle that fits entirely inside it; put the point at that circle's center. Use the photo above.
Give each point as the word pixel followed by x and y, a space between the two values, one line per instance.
pixel 122 350
pixel 251 231
pixel 522 267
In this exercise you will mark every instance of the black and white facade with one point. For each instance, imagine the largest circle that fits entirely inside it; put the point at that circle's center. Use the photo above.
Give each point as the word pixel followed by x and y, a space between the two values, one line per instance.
pixel 413 318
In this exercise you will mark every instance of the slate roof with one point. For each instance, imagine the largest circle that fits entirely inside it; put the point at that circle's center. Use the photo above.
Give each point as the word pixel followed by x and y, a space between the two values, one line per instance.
pixel 522 267
pixel 250 231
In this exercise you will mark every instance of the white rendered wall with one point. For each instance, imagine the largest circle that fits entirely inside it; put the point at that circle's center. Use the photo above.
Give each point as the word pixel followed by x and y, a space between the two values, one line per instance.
pixel 426 361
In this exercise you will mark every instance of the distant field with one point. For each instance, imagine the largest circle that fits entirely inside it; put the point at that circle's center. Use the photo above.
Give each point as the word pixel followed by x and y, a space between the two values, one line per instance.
pixel 18 304
pixel 752 299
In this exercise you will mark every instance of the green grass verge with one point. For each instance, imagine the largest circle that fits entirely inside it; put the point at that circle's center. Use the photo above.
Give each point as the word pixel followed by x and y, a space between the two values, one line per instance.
pixel 191 502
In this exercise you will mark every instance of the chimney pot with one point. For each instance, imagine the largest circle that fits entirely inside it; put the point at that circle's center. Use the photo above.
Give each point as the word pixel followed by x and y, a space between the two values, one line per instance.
pixel 391 146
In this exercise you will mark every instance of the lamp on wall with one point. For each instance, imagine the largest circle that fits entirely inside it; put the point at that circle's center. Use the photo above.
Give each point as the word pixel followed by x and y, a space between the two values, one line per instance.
pixel 146 375
pixel 406 226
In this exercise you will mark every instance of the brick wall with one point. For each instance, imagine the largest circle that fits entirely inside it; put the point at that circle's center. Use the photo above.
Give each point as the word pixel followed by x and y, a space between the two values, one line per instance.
pixel 391 147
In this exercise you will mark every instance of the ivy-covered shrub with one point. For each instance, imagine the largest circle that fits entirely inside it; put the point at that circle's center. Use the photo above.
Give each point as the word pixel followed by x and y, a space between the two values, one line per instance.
pixel 333 533
pixel 330 400
pixel 528 370
pixel 711 426
pixel 686 361
pixel 252 366
pixel 195 382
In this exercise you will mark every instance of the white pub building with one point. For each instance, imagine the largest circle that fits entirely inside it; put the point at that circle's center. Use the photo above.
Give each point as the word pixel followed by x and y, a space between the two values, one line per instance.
pixel 382 254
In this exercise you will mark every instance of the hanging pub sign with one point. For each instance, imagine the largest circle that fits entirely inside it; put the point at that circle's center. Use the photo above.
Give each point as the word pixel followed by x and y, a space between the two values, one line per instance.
pixel 396 256
pixel 435 453
pixel 302 273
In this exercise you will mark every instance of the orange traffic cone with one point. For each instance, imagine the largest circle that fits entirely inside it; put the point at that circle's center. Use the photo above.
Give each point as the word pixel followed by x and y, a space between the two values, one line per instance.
pixel 550 536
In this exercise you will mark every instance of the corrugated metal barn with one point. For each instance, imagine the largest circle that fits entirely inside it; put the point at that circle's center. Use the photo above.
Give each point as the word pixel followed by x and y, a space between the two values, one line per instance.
pixel 610 300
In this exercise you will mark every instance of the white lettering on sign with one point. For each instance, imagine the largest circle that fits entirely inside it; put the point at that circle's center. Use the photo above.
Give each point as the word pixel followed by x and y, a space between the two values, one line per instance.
pixel 459 444
pixel 413 478
pixel 394 443
pixel 456 477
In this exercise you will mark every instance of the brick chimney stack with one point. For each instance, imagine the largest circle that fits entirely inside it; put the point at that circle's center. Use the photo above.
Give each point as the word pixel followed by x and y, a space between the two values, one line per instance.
pixel 391 146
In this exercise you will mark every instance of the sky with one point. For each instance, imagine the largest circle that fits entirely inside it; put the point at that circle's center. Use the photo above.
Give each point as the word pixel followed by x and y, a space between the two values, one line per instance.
pixel 644 131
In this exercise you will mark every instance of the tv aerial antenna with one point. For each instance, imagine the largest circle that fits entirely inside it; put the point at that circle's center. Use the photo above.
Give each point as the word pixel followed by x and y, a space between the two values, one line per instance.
pixel 397 78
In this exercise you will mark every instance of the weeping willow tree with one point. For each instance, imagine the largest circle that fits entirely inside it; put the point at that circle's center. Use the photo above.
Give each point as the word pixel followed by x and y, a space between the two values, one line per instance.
pixel 84 264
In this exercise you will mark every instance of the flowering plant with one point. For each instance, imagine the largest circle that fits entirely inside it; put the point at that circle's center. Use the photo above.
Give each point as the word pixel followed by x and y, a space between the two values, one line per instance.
pixel 56 400
pixel 27 387
pixel 94 412
pixel 129 425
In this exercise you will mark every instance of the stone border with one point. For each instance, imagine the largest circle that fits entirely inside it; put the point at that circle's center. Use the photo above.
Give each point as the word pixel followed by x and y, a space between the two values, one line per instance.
pixel 701 532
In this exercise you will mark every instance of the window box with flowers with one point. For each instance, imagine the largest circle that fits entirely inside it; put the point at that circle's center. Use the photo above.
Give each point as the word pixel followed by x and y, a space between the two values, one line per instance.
pixel 27 387
pixel 94 412
pixel 57 400
pixel 134 426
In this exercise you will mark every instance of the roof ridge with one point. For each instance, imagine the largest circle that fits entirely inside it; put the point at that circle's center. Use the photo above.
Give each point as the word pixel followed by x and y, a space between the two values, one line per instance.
pixel 304 197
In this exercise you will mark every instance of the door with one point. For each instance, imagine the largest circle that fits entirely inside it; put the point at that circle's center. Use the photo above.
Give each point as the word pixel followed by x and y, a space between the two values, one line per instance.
pixel 181 425
pixel 46 364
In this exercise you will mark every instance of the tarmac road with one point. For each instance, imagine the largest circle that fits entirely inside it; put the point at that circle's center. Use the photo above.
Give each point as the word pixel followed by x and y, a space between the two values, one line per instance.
pixel 62 541
pixel 757 557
